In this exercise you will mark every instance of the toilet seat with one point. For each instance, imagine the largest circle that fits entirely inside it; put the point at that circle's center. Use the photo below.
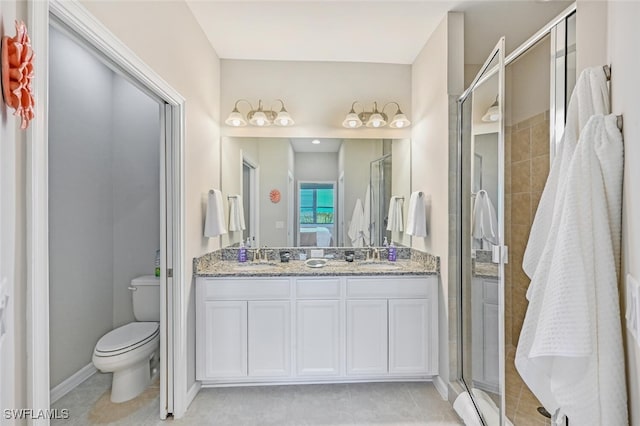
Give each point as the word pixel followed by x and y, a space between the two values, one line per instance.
pixel 127 338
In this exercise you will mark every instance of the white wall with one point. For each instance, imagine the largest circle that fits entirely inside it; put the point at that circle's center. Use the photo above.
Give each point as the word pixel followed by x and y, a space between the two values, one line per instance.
pixel 13 358
pixel 318 95
pixel 437 74
pixel 168 28
pixel 529 77
pixel 623 37
pixel 104 200
pixel 136 191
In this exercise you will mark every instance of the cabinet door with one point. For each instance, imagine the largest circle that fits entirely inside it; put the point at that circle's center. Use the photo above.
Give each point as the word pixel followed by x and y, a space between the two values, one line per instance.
pixel 367 337
pixel 410 336
pixel 225 339
pixel 318 337
pixel 269 338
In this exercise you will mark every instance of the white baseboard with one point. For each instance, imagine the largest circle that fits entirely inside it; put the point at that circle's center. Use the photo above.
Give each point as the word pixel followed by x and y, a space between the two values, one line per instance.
pixel 68 385
pixel 193 391
pixel 441 387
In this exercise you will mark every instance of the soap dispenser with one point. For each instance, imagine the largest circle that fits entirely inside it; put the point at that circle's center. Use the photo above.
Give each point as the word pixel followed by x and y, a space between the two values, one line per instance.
pixel 242 253
pixel 392 256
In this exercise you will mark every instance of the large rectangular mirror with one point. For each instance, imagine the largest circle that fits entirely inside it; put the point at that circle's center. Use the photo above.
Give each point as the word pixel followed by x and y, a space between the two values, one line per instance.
pixel 315 192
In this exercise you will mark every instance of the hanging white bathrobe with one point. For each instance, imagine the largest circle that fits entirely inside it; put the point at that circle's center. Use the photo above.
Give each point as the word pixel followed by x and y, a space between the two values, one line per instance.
pixel 570 349
pixel 590 96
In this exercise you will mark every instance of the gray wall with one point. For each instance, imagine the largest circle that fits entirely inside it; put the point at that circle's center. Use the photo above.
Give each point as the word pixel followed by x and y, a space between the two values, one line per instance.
pixel 103 201
pixel 316 166
pixel 136 191
pixel 357 155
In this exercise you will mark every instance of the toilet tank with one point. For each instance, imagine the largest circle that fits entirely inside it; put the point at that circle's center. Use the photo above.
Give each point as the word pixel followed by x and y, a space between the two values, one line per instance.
pixel 146 298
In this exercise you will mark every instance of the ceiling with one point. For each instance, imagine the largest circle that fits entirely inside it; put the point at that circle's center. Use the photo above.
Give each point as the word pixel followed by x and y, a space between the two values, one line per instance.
pixel 382 31
pixel 325 145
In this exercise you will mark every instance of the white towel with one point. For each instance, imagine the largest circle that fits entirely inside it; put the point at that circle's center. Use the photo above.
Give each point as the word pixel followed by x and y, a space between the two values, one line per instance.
pixel 570 349
pixel 416 216
pixel 394 221
pixel 355 227
pixel 485 224
pixel 214 220
pixel 590 96
pixel 366 220
pixel 236 213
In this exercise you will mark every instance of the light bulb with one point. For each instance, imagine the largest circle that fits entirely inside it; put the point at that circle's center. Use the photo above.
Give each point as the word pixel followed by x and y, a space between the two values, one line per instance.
pixel 353 123
pixel 236 122
pixel 283 121
pixel 260 122
pixel 400 124
pixel 376 123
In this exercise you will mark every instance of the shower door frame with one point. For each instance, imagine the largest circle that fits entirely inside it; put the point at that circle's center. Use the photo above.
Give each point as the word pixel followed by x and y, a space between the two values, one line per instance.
pixel 173 324
pixel 500 251
pixel 557 111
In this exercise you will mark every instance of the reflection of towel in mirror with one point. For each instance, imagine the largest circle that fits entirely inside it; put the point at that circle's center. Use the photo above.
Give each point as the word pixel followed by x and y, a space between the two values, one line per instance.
pixel 394 223
pixel 214 220
pixel 590 96
pixel 485 224
pixel 366 220
pixel 416 216
pixel 356 225
pixel 236 213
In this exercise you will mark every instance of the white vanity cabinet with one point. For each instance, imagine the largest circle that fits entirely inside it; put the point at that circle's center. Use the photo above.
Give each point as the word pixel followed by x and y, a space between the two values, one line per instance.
pixel 318 326
pixel 309 328
pixel 392 326
pixel 243 328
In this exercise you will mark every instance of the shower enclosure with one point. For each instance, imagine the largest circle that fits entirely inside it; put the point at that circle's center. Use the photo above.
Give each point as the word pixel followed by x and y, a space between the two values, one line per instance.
pixel 509 122
pixel 380 181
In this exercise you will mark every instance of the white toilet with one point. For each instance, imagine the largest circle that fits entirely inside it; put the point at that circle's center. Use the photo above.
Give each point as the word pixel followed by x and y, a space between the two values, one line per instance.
pixel 131 352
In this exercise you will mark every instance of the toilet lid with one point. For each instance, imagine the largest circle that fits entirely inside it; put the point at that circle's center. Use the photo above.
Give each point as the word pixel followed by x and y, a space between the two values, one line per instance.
pixel 128 336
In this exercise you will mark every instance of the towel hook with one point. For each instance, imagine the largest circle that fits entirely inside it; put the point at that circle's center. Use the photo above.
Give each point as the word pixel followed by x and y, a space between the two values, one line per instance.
pixel 607 72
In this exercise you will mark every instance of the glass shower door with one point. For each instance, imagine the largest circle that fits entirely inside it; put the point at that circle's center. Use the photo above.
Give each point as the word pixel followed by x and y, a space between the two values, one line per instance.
pixel 481 238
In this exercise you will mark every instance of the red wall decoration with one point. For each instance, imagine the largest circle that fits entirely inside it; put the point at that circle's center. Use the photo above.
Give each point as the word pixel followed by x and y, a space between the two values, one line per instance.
pixel 17 73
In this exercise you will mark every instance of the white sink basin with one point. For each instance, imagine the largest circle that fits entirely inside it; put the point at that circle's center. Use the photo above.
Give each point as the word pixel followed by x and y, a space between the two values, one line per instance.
pixel 316 263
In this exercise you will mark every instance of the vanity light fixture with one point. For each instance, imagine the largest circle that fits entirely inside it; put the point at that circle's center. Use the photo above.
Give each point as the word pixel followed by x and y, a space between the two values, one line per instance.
pixel 375 118
pixel 259 117
pixel 493 113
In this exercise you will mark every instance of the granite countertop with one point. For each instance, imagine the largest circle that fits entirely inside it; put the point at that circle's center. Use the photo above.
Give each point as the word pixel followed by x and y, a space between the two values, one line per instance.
pixel 298 268
pixel 485 270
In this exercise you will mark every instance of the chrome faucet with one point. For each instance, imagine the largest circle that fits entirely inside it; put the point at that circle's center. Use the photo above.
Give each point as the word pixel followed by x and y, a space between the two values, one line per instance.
pixel 256 255
pixel 373 254
pixel 261 256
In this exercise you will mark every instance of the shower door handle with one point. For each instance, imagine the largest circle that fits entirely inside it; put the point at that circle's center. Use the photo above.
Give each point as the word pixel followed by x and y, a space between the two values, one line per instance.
pixel 500 254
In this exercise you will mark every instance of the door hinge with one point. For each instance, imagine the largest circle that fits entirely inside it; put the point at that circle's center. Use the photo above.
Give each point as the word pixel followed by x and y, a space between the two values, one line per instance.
pixel 170 273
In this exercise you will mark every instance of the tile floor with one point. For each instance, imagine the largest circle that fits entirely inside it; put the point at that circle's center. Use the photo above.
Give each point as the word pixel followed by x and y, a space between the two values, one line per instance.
pixel 337 404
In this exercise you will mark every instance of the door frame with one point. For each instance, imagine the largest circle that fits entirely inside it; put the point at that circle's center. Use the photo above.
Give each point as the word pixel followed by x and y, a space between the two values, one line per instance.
pixel 73 15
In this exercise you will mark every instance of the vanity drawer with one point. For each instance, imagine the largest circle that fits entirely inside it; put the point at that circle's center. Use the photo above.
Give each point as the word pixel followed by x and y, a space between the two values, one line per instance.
pixel 246 288
pixel 388 287
pixel 318 288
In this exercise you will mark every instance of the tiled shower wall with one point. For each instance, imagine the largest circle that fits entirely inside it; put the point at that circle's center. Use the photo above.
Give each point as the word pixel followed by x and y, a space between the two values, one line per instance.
pixel 526 171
